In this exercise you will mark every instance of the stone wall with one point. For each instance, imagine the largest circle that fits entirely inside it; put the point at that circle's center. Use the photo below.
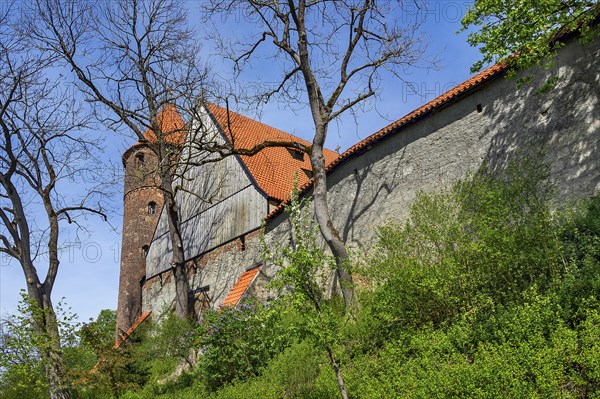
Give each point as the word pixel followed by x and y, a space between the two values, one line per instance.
pixel 492 124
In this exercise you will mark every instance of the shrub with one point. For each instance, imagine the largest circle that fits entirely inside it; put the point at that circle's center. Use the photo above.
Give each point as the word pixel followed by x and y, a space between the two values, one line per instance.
pixel 237 342
pixel 477 246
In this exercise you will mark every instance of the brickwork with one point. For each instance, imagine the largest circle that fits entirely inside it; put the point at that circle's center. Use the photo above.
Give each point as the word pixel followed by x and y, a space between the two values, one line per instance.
pixel 142 205
pixel 159 290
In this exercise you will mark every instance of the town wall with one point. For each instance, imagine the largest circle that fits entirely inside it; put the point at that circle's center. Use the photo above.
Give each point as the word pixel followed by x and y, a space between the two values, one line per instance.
pixel 492 124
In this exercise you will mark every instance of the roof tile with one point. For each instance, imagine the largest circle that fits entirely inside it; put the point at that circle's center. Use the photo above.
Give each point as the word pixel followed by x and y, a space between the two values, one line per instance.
pixel 172 125
pixel 273 168
pixel 452 94
pixel 240 287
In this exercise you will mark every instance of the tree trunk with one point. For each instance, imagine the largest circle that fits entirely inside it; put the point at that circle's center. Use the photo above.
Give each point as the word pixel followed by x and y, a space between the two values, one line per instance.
pixel 55 369
pixel 182 289
pixel 328 230
pixel 338 373
pixel 46 327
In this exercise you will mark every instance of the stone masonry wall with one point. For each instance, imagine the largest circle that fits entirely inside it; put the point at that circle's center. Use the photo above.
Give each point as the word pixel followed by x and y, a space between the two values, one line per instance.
pixel 378 185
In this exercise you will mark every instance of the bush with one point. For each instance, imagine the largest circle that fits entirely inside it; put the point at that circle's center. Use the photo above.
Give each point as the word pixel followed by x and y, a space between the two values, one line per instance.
pixel 485 292
pixel 477 246
pixel 237 342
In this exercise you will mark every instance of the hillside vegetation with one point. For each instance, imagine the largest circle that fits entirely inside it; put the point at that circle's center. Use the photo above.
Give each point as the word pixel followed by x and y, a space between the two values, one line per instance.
pixel 487 291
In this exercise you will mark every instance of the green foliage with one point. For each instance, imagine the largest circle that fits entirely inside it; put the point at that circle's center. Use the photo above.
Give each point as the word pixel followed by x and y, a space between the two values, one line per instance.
pixel 304 269
pixel 22 372
pixel 108 372
pixel 21 368
pixel 526 27
pixel 478 246
pixel 295 373
pixel 485 292
pixel 167 344
pixel 236 342
pixel 524 350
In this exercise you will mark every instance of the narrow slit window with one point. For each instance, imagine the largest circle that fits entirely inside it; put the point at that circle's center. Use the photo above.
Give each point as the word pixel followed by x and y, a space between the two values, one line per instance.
pixel 145 249
pixel 152 208
pixel 140 158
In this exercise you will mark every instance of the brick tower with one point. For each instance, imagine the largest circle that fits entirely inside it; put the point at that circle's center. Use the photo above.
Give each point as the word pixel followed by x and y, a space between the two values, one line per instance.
pixel 142 203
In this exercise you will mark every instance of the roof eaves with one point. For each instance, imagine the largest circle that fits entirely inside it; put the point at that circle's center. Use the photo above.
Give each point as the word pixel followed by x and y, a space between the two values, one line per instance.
pixel 439 102
pixel 131 329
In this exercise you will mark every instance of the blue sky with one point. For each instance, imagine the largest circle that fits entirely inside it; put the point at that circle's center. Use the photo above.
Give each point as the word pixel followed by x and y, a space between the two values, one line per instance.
pixel 89 272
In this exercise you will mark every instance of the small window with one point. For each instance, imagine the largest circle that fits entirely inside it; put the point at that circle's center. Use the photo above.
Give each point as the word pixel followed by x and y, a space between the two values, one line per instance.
pixel 242 243
pixel 145 249
pixel 152 208
pixel 139 159
pixel 308 173
pixel 296 154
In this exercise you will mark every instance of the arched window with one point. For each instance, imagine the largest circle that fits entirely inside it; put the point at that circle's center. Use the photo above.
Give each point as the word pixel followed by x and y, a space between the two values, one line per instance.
pixel 152 208
pixel 145 249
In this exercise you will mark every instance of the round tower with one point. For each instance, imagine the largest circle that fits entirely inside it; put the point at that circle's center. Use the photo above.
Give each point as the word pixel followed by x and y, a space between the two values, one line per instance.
pixel 142 203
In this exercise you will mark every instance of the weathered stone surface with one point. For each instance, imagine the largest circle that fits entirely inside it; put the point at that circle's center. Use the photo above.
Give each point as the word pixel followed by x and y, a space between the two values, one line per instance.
pixel 379 184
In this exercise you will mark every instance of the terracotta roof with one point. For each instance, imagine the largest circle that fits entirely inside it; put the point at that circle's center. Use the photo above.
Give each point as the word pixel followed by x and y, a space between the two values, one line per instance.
pixel 172 125
pixel 131 329
pixel 240 287
pixel 437 103
pixel 273 168
pixel 121 339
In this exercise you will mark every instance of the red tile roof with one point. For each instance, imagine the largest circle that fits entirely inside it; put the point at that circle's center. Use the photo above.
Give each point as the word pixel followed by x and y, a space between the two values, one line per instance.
pixel 120 340
pixel 437 103
pixel 172 125
pixel 135 325
pixel 240 287
pixel 273 168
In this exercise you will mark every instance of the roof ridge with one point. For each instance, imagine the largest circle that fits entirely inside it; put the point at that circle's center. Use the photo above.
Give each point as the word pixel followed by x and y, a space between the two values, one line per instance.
pixel 249 119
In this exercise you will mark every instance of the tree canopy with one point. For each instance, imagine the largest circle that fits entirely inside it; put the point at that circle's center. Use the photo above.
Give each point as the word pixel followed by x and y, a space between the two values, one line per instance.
pixel 530 28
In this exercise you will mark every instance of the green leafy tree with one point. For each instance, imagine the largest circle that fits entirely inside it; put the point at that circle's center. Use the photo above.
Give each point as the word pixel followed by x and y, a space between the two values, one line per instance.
pixel 304 268
pixel 237 342
pixel 479 246
pixel 115 369
pixel 22 368
pixel 529 28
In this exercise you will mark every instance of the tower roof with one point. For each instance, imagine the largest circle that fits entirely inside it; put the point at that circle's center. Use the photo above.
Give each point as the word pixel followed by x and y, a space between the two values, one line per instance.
pixel 172 125
pixel 173 128
pixel 273 168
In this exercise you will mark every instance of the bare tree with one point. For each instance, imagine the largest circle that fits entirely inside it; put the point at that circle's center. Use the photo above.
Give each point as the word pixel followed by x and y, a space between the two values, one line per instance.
pixel 132 58
pixel 43 155
pixel 331 54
